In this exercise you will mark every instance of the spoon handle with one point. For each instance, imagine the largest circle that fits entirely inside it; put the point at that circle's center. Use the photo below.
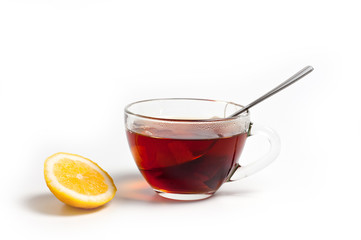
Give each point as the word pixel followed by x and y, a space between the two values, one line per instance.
pixel 300 74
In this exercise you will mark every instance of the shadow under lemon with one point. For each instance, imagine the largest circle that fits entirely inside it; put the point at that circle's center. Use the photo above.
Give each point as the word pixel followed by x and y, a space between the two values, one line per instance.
pixel 48 204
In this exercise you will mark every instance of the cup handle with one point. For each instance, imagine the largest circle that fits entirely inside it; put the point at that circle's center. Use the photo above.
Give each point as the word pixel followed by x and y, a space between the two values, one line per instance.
pixel 240 172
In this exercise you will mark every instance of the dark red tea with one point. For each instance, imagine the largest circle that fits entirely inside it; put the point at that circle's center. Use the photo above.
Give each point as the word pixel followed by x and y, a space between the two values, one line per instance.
pixel 185 165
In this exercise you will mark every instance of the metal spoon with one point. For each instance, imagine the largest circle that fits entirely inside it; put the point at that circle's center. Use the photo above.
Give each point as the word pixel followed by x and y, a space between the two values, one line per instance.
pixel 300 74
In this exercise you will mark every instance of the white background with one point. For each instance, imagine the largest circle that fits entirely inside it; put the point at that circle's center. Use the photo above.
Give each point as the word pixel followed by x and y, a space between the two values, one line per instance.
pixel 68 68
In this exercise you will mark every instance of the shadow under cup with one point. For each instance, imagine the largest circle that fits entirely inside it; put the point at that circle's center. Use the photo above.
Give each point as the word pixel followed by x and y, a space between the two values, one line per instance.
pixel 185 148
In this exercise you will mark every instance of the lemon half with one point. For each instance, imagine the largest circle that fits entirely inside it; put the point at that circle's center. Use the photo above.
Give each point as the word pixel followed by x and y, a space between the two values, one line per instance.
pixel 78 181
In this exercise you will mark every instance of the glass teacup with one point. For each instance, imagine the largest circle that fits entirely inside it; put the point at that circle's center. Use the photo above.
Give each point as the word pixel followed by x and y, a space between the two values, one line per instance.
pixel 187 148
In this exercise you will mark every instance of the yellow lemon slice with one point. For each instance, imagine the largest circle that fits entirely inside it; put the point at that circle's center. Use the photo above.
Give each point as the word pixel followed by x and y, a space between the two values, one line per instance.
pixel 78 181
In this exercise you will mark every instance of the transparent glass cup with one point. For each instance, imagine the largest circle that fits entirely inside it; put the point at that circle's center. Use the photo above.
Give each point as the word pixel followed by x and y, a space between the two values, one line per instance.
pixel 187 148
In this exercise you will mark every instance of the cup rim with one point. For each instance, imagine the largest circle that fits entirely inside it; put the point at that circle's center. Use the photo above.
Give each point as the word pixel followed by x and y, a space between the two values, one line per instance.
pixel 127 111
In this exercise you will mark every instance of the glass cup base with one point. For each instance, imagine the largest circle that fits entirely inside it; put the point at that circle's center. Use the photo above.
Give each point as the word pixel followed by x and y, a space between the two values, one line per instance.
pixel 184 197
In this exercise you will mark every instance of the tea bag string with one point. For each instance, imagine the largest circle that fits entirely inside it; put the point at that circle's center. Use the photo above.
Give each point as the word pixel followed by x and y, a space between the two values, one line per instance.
pixel 297 76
